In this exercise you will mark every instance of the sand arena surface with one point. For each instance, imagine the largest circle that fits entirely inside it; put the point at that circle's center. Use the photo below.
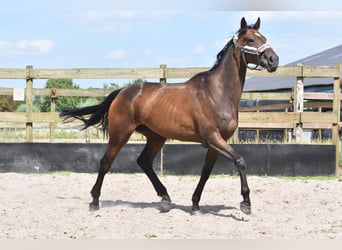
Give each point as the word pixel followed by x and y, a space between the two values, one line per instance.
pixel 55 206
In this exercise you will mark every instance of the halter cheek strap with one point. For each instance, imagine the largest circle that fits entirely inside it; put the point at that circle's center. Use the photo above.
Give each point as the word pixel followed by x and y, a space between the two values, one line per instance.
pixel 250 50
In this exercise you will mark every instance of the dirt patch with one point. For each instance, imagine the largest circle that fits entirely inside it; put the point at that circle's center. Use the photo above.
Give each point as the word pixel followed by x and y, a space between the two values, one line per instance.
pixel 55 206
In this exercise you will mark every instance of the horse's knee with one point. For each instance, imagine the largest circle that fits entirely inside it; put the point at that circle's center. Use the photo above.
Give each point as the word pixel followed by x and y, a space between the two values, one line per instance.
pixel 240 163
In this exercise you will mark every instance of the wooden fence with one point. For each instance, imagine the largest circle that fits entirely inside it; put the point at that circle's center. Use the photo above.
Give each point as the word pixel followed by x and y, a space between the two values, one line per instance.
pixel 297 119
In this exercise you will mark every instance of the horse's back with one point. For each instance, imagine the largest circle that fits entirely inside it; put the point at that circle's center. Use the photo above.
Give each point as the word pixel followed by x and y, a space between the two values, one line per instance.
pixel 167 109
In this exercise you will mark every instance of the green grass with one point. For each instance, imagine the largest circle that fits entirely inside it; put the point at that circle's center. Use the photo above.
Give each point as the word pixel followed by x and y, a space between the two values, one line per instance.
pixel 150 236
pixel 317 178
pixel 94 134
pixel 215 176
pixel 303 178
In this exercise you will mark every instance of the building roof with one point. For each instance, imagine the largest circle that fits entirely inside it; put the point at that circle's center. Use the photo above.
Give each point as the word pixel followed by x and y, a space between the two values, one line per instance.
pixel 328 57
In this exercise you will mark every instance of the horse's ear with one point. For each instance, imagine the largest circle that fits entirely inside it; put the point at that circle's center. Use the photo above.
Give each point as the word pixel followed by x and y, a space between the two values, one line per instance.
pixel 243 23
pixel 256 26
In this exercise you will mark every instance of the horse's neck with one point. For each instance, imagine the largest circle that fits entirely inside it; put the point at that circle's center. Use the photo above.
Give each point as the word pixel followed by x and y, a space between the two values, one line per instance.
pixel 230 76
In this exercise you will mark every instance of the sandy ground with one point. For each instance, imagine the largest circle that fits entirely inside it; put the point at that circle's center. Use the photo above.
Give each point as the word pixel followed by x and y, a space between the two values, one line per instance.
pixel 55 206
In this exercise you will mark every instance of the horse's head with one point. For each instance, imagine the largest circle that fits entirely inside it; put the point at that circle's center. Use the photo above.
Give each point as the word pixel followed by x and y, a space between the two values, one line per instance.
pixel 254 48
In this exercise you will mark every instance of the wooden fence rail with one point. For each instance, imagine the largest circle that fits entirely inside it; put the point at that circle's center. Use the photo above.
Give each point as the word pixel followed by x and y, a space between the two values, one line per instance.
pixel 248 118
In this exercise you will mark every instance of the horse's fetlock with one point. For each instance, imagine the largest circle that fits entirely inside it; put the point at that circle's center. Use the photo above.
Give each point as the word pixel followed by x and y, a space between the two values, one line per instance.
pixel 245 191
pixel 95 194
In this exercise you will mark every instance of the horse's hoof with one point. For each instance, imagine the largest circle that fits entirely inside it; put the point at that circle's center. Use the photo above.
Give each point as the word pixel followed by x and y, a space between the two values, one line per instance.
pixel 165 206
pixel 93 207
pixel 195 212
pixel 195 209
pixel 245 207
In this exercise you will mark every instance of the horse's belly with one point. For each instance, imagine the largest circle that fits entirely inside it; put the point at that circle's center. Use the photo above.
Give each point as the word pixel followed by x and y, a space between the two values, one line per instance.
pixel 174 130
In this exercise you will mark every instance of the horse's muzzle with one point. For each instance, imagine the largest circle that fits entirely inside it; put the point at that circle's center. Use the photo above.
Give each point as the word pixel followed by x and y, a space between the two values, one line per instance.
pixel 269 60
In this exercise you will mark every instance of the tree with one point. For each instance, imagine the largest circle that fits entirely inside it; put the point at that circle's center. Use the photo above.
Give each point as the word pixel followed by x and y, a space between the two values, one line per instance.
pixel 139 80
pixel 61 101
pixel 7 104
pixel 111 86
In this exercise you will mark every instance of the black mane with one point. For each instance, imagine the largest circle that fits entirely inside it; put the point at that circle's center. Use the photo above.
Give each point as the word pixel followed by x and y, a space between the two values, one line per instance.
pixel 221 54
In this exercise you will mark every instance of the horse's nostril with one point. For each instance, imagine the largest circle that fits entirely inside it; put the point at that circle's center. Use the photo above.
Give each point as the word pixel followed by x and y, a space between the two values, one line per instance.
pixel 271 60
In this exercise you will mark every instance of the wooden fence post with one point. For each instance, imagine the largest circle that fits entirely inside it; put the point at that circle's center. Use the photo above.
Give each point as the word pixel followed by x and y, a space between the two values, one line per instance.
pixel 257 131
pixel 336 124
pixel 53 109
pixel 162 80
pixel 299 104
pixel 29 104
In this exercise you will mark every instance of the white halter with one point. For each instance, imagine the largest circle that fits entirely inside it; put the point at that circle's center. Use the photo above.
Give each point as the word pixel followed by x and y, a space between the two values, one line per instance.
pixel 249 49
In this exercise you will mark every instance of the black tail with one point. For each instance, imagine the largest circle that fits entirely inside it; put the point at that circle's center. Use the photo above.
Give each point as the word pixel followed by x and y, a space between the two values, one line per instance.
pixel 98 113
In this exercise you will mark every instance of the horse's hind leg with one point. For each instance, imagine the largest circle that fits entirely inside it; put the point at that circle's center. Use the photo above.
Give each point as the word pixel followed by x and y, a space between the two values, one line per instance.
pixel 154 143
pixel 113 148
pixel 210 160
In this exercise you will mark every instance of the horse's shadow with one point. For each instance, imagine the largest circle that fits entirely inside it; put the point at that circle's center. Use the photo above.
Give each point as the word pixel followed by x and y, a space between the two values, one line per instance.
pixel 206 209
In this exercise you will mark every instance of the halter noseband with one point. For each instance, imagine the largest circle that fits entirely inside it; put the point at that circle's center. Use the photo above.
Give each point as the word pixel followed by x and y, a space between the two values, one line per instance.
pixel 250 50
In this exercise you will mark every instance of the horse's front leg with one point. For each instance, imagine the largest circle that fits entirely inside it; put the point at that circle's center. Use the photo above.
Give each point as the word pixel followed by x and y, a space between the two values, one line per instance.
pixel 226 150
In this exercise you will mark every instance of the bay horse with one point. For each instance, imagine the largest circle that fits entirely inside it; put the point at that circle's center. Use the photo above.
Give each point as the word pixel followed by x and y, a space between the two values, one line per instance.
pixel 203 109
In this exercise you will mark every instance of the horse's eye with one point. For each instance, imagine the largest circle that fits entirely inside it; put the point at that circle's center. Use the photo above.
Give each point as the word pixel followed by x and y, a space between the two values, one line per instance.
pixel 250 40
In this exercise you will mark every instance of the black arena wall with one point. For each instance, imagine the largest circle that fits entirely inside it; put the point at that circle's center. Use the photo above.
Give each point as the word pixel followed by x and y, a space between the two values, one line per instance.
pixel 178 159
